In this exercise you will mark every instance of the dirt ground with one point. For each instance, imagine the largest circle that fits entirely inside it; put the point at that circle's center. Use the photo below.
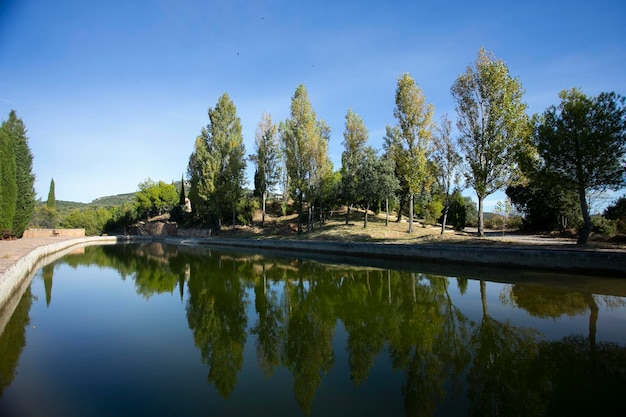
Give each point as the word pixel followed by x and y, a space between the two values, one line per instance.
pixel 335 228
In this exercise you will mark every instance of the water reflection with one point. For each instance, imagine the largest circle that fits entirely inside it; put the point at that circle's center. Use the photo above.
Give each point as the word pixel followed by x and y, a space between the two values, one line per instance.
pixel 451 358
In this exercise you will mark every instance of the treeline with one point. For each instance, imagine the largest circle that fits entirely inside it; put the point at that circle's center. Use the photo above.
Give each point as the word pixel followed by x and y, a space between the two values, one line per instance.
pixel 549 164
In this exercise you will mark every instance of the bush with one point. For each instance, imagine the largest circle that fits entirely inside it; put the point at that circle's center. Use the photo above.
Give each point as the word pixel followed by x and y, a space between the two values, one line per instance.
pixel 603 226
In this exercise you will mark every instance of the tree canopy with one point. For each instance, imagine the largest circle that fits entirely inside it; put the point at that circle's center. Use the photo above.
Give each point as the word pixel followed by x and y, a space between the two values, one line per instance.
pixel 492 123
pixel 410 144
pixel 304 140
pixel 582 143
pixel 217 166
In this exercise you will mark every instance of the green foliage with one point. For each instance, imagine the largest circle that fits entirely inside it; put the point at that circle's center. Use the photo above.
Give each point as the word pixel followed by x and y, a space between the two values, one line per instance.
pixel 375 180
pixel 433 210
pixel 410 143
pixel 245 210
pixel 8 179
pixel 182 197
pixel 604 226
pixel 545 204
pixel 43 217
pixel 24 177
pixel 267 160
pixel 52 201
pixel 92 220
pixel 217 166
pixel 354 141
pixel 617 212
pixel 493 126
pixel 582 143
pixel 304 141
pixel 155 198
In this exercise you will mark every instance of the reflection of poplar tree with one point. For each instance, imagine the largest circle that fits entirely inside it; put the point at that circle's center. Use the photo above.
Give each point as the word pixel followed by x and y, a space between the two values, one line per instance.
pixel 362 312
pixel 269 328
pixel 501 378
pixel 216 312
pixel 308 350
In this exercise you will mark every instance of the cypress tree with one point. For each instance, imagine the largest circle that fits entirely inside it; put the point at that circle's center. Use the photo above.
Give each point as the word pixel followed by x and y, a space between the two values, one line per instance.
pixel 51 203
pixel 25 179
pixel 182 198
pixel 8 183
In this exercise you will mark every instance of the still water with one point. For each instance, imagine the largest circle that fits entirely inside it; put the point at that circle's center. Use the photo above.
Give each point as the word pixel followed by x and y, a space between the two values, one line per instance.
pixel 161 330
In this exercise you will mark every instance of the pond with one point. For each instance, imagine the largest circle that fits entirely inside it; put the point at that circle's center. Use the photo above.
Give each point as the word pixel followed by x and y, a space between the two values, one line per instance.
pixel 162 330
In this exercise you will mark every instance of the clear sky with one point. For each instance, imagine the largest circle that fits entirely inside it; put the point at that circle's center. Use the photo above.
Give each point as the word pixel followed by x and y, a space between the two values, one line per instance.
pixel 114 92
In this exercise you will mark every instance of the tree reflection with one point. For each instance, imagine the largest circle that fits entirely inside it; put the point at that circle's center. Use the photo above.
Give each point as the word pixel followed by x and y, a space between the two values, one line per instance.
pixel 585 379
pixel 307 350
pixel 502 378
pixel 269 327
pixel 13 340
pixel 216 313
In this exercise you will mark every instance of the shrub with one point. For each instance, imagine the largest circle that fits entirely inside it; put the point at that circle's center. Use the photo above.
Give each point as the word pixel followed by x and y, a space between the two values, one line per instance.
pixel 603 226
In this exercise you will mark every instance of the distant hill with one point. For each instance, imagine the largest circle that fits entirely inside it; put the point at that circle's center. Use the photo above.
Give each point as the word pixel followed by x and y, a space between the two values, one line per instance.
pixel 113 200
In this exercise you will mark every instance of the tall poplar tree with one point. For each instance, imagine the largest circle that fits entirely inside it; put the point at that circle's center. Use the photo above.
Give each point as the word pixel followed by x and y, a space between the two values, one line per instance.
pixel 217 165
pixel 493 126
pixel 267 160
pixel 354 141
pixel 304 141
pixel 25 179
pixel 415 123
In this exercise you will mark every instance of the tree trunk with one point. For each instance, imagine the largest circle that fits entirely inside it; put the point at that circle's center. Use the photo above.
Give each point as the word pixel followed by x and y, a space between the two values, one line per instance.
pixel 234 216
pixel 386 212
pixel 365 218
pixel 263 209
pixel 446 208
pixel 481 231
pixel 300 213
pixel 411 213
pixel 583 235
pixel 348 215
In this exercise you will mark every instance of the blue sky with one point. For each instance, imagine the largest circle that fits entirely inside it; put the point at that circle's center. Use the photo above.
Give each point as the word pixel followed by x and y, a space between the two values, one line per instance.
pixel 115 92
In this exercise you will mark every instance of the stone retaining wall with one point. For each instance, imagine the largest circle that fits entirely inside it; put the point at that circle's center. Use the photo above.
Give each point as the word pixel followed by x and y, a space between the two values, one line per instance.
pixel 54 233
pixel 194 232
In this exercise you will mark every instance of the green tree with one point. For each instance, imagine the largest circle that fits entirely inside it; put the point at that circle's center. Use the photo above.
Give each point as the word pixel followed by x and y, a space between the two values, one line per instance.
pixel 375 180
pixel 201 173
pixel 354 140
pixel 304 141
pixel 155 198
pixel 217 165
pixel 415 124
pixel 51 203
pixel 447 161
pixel 24 177
pixel 8 181
pixel 493 126
pixel 582 142
pixel 267 160
pixel 181 195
